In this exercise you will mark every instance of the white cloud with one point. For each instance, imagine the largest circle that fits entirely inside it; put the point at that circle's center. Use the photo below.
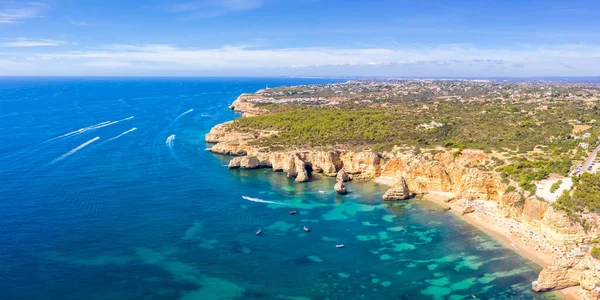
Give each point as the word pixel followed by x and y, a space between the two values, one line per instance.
pixel 22 42
pixel 11 12
pixel 442 60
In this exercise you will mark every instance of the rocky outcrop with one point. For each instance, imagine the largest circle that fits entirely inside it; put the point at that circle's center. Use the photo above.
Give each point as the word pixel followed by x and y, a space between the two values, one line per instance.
pixel 246 162
pixel 562 231
pixel 534 210
pixel 575 268
pixel 247 108
pixel 398 192
pixel 469 209
pixel 512 204
pixel 443 172
pixel 361 165
pixel 340 188
pixel 342 175
pixel 300 170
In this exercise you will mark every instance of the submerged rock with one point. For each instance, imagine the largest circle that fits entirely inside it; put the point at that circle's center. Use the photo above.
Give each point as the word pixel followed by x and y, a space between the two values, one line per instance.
pixel 340 188
pixel 398 192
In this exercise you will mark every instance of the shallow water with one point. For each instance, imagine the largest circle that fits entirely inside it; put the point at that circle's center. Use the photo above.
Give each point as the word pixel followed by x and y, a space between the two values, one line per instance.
pixel 148 213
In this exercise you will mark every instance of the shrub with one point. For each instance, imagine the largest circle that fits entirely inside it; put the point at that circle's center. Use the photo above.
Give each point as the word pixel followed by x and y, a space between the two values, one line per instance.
pixel 510 188
pixel 555 186
pixel 596 252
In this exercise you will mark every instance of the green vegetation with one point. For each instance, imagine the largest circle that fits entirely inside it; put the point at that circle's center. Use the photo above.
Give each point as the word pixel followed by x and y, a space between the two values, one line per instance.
pixel 488 126
pixel 585 195
pixel 524 171
pixel 596 252
pixel 555 186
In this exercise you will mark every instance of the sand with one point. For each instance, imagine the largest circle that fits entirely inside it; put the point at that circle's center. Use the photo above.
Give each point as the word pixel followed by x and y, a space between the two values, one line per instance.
pixel 511 233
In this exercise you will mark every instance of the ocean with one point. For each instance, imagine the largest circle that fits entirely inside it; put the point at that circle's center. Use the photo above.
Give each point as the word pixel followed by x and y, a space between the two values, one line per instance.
pixel 107 192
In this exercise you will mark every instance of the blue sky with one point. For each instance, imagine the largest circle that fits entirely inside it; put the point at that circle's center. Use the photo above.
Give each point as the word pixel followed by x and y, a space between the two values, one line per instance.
pixel 465 38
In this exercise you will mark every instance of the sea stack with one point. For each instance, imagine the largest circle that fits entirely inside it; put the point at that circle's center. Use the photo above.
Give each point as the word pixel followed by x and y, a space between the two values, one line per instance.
pixel 340 187
pixel 342 175
pixel 398 192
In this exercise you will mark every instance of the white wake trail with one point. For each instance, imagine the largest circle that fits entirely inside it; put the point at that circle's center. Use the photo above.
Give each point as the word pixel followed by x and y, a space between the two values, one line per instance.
pixel 169 141
pixel 84 129
pixel 75 150
pixel 122 134
pixel 262 201
pixel 181 115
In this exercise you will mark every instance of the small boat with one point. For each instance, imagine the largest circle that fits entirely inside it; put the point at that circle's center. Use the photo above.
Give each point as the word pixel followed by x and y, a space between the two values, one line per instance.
pixel 306 229
pixel 293 212
pixel 259 232
pixel 339 246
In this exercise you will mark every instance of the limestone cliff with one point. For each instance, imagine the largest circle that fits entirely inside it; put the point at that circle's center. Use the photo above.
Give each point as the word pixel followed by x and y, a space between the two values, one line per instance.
pixel 245 105
pixel 398 192
pixel 575 268
pixel 442 172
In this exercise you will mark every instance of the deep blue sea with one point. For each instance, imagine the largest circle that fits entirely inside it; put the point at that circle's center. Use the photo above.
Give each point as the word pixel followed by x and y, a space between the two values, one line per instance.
pixel 91 208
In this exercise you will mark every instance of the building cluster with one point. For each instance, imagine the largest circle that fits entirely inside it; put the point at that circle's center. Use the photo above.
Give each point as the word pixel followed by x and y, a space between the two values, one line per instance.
pixel 391 90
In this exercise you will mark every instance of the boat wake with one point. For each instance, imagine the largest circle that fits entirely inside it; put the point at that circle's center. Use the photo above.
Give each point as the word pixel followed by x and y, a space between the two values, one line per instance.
pixel 262 201
pixel 71 152
pixel 170 140
pixel 182 114
pixel 122 134
pixel 88 128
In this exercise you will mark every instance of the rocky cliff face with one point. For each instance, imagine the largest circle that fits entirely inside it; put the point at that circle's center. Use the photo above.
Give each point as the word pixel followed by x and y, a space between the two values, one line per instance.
pixel 576 268
pixel 422 173
pixel 244 105
pixel 398 192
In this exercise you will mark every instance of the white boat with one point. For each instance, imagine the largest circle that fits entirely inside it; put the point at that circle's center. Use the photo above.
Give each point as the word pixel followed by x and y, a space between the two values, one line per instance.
pixel 259 232
pixel 339 246
pixel 306 229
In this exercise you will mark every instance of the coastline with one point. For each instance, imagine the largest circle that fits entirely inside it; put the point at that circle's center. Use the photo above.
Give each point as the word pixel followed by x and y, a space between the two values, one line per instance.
pixel 509 232
pixel 520 233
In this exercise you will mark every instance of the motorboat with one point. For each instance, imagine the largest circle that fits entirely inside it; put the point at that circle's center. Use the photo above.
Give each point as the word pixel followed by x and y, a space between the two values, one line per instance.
pixel 259 232
pixel 339 246
pixel 306 229
pixel 293 212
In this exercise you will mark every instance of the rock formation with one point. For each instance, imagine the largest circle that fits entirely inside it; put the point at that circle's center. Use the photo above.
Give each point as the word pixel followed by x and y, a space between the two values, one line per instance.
pixel 301 172
pixel 469 209
pixel 398 192
pixel 577 267
pixel 340 188
pixel 245 162
pixel 342 175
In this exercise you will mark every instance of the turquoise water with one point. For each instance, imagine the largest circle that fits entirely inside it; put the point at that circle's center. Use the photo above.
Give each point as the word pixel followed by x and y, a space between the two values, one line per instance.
pixel 136 215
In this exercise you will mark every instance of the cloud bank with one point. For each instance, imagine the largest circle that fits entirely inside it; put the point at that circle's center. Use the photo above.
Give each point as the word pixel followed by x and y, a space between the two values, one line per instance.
pixel 442 60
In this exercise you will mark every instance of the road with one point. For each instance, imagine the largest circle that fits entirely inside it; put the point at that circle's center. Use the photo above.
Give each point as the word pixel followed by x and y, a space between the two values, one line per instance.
pixel 588 162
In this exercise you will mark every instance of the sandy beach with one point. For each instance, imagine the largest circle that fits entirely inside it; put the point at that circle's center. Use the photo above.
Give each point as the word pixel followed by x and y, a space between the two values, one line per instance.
pixel 510 232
